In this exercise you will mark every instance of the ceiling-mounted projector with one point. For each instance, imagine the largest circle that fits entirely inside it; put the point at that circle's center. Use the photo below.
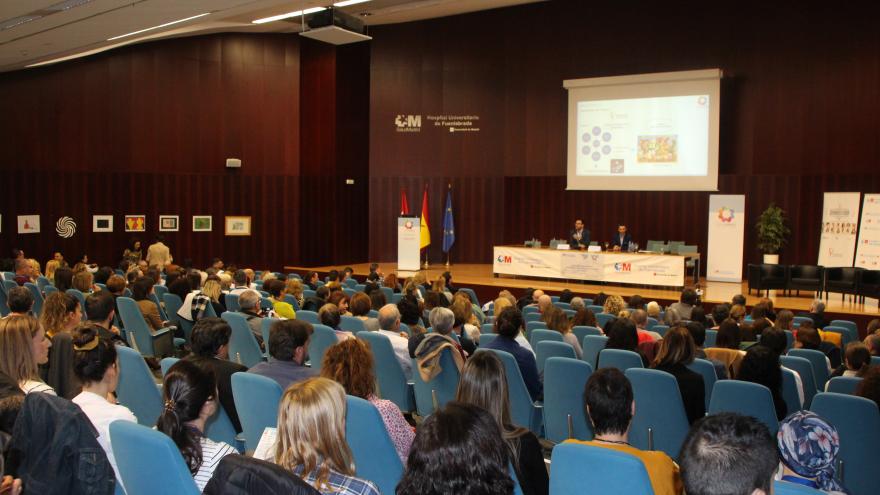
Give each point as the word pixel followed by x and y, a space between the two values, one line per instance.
pixel 336 27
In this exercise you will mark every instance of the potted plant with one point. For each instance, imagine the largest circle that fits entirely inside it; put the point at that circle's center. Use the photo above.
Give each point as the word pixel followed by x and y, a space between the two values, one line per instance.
pixel 772 233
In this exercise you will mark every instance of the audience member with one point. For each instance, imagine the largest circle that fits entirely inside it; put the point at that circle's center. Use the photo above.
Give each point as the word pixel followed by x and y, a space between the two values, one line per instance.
pixel 653 309
pixel 698 314
pixel 441 321
pixel 213 290
pixel 377 299
pixel 24 272
pixel 63 279
pixel 101 310
pixel 458 449
pixel 84 282
pixel 20 301
pixel 808 448
pixel 622 334
pixel 566 296
pixel 392 283
pixel 698 333
pixel 294 288
pixel 484 384
pixel 584 317
pixel 158 254
pixel 869 387
pixel 817 314
pixel 872 342
pixel 210 349
pixel 330 317
pixel 720 313
pixel 61 314
pixel 776 340
pixel 389 325
pixel 639 318
pixel 133 253
pixel 636 302
pixel 340 300
pixel 141 291
pixel 544 303
pixel 96 367
pixel 311 438
pixel 288 348
pixel 677 350
pixel 614 305
pixel 360 308
pixel 728 454
pixel 508 325
pixel 189 392
pixel 761 366
pixel 467 333
pixel 557 320
pixel 738 299
pixel 685 304
pixel 609 404
pixel 351 364
pixel 103 274
pixel 577 303
pixel 738 313
pixel 856 362
pixel 726 349
pixel 23 347
pixel 808 337
pixel 411 315
pixel 275 288
pixel 312 280
pixel 249 305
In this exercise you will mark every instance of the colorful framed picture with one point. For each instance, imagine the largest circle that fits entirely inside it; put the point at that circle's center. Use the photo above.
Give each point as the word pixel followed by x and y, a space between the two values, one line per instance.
pixel 135 223
pixel 29 224
pixel 102 223
pixel 202 223
pixel 238 226
pixel 169 223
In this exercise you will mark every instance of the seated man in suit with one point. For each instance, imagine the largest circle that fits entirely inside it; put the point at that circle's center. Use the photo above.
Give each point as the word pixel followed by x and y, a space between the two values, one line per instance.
pixel 621 241
pixel 580 236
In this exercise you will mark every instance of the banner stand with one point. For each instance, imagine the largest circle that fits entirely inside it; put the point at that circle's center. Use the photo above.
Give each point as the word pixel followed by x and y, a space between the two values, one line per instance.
pixel 724 257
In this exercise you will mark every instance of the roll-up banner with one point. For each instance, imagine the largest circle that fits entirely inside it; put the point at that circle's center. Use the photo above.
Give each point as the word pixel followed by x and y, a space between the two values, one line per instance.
pixel 726 237
pixel 840 219
pixel 868 251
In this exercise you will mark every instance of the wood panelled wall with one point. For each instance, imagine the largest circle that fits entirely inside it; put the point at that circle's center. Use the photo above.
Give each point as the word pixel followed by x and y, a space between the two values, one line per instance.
pixel 146 130
pixel 800 116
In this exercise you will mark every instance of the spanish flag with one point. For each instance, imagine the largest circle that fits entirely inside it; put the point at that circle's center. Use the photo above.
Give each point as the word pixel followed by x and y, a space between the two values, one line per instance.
pixel 425 237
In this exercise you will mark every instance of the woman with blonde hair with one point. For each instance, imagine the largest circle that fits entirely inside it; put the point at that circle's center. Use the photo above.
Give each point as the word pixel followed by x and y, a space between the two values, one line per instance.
pixel 392 282
pixel 311 438
pixel 83 281
pixel 23 347
pixel 294 287
pixel 51 266
pixel 61 314
pixel 614 305
pixel 35 268
pixel 213 290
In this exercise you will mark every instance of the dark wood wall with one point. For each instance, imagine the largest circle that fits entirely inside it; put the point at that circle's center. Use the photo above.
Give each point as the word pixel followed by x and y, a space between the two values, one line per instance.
pixel 800 116
pixel 146 130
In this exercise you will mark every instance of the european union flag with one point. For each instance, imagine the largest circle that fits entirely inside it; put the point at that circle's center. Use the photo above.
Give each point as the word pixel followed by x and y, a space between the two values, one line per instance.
pixel 448 225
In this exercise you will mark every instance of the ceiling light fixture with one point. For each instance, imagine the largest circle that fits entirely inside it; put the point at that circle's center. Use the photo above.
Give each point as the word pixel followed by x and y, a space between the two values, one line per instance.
pixel 158 27
pixel 289 15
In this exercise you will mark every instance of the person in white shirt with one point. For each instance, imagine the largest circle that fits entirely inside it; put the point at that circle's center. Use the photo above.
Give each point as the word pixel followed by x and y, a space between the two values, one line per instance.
pixel 189 394
pixel 95 365
pixel 23 347
pixel 389 324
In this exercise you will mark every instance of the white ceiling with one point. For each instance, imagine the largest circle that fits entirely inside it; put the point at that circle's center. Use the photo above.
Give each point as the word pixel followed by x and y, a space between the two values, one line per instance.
pixel 85 26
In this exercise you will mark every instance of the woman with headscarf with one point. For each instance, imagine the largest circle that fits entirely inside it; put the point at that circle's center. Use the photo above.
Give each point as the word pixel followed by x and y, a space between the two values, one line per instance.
pixel 808 449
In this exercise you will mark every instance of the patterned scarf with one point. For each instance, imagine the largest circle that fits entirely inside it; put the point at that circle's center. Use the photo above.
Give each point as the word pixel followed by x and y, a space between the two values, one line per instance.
pixel 808 445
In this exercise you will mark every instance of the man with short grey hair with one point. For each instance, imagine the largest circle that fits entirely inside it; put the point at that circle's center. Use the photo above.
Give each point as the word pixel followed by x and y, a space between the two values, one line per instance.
pixel 544 303
pixel 249 303
pixel 577 303
pixel 817 314
pixel 389 324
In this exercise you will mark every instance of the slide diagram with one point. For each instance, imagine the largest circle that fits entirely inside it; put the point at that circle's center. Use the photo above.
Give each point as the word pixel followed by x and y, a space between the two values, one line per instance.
pixel 660 136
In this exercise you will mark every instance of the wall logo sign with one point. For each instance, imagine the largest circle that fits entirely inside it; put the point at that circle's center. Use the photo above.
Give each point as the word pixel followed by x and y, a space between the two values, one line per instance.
pixel 66 227
pixel 408 123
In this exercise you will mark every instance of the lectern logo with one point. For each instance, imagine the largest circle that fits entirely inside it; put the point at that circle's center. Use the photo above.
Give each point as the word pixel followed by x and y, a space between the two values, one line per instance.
pixel 622 267
pixel 408 123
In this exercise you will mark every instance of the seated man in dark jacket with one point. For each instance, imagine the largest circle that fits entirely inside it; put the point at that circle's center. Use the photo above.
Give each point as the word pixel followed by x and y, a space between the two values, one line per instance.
pixel 210 348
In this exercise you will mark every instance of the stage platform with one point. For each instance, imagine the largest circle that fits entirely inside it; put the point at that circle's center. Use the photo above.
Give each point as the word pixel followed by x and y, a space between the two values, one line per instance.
pixel 480 278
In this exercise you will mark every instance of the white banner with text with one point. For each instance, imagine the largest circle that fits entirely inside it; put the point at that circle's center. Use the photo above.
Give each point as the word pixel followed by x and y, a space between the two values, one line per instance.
pixel 868 250
pixel 724 256
pixel 840 218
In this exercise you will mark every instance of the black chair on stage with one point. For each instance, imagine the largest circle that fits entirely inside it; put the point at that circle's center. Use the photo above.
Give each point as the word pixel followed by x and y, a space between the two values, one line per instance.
pixel 806 277
pixel 767 277
pixel 869 285
pixel 843 280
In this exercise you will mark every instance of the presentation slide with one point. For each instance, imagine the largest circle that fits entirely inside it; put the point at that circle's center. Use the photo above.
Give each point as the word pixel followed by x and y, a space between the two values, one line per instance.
pixel 647 137
pixel 645 132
